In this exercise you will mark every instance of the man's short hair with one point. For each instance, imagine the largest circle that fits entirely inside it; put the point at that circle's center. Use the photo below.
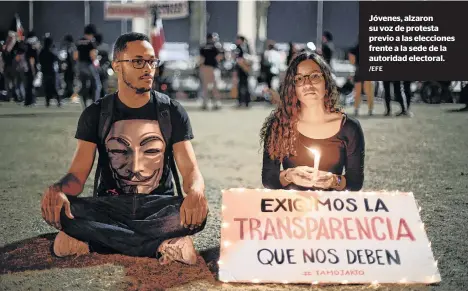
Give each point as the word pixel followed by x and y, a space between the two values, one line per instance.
pixel 328 35
pixel 121 42
pixel 90 29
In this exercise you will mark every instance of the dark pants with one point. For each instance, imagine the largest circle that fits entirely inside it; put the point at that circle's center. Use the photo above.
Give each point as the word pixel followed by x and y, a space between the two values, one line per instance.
pixel 132 225
pixel 243 91
pixel 90 82
pixel 69 77
pixel 50 88
pixel 404 101
pixel 29 89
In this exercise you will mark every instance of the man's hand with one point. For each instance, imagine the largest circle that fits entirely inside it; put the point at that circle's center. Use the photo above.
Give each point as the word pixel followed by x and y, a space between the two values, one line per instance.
pixel 194 210
pixel 52 202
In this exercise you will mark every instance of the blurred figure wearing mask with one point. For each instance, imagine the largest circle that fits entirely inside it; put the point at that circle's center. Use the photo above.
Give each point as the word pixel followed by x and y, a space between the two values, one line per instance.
pixel 243 68
pixel 86 54
pixel 49 66
pixel 69 74
pixel 104 63
pixel 210 56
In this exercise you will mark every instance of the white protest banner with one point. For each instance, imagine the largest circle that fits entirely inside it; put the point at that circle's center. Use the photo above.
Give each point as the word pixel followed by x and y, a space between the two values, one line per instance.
pixel 117 11
pixel 172 9
pixel 282 236
pixel 165 9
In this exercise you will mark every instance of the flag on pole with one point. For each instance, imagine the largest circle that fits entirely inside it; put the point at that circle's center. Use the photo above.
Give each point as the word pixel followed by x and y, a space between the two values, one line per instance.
pixel 17 27
pixel 157 33
pixel 15 33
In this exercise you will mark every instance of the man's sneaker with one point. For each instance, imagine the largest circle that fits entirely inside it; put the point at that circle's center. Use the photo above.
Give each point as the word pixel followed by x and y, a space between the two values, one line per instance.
pixel 179 249
pixel 65 245
pixel 356 112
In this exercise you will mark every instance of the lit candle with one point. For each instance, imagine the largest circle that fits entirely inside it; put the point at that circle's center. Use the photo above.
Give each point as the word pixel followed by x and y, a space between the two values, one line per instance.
pixel 316 160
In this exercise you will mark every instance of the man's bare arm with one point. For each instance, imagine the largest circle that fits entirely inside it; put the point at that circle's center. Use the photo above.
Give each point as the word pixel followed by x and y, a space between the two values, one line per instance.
pixel 73 182
pixel 188 167
pixel 194 209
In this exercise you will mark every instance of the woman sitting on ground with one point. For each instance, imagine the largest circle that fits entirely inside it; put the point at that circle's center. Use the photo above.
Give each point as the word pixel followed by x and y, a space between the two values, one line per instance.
pixel 308 118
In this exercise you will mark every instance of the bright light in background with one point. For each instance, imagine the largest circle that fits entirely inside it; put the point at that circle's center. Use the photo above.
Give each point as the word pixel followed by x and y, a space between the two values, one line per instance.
pixel 311 46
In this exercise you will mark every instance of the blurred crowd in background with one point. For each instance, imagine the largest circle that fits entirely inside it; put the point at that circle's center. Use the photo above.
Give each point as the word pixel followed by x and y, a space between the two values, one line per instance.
pixel 71 70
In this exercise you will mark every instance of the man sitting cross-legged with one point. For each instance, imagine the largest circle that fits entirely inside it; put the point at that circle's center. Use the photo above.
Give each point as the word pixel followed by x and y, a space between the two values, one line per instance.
pixel 138 134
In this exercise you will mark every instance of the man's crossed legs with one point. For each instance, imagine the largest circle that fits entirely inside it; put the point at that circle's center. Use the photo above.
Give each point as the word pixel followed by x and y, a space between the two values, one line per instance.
pixel 137 225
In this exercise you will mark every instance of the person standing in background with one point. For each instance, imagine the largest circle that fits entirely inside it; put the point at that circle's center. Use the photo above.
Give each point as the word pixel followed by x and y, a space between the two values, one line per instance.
pixel 328 47
pixel 86 54
pixel 291 53
pixel 32 47
pixel 243 67
pixel 104 63
pixel 69 74
pixel 404 100
pixel 353 56
pixel 20 70
pixel 210 56
pixel 49 66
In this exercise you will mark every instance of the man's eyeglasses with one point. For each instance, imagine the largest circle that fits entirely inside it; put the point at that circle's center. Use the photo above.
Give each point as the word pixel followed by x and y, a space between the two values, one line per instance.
pixel 314 78
pixel 141 63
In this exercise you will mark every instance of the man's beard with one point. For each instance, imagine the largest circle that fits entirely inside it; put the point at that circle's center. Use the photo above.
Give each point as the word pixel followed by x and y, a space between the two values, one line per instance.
pixel 137 90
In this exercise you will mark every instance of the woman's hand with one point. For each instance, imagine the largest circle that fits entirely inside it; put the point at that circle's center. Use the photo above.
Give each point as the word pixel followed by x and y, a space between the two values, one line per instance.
pixel 301 176
pixel 308 177
pixel 326 180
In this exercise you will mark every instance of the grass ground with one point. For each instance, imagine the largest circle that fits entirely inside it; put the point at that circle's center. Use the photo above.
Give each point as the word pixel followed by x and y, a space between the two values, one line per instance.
pixel 427 155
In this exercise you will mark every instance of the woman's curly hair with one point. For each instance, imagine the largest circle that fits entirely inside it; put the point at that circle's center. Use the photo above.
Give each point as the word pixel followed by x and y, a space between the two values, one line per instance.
pixel 278 134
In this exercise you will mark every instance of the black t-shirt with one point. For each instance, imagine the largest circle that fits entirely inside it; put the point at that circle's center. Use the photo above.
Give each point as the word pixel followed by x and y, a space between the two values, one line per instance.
pixel 48 60
pixel 31 52
pixel 209 52
pixel 84 47
pixel 343 151
pixel 134 158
